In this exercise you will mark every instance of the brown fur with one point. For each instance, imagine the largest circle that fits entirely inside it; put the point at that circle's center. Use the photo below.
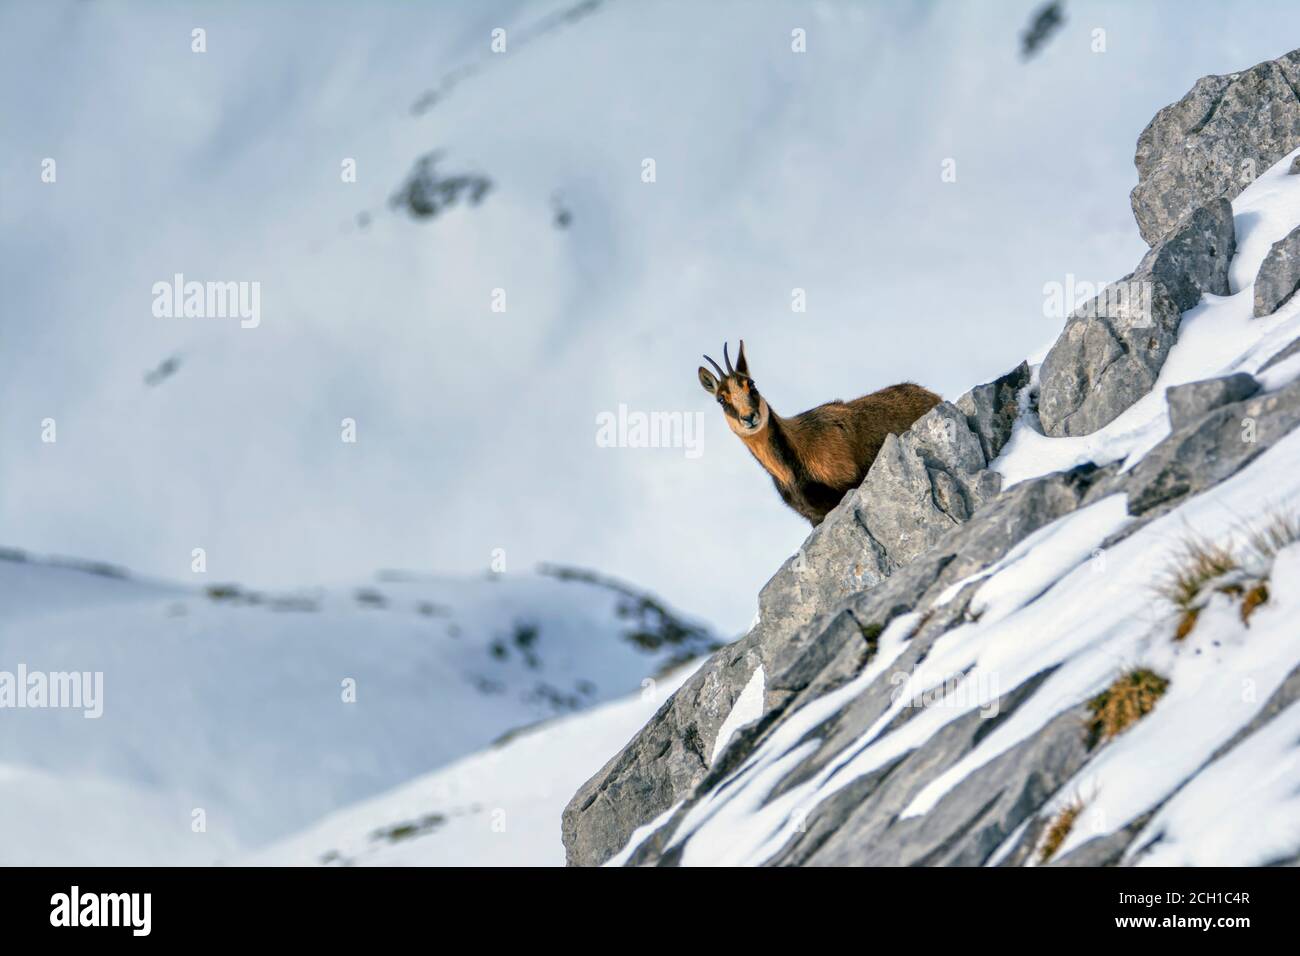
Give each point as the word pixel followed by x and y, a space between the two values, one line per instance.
pixel 817 456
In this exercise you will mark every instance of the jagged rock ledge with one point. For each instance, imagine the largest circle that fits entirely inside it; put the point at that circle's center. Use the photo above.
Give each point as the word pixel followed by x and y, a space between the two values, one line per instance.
pixel 931 519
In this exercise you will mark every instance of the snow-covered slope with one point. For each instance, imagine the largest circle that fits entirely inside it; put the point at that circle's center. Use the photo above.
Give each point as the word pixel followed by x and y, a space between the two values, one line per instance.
pixel 1099 665
pixel 267 711
pixel 1067 607
pixel 499 807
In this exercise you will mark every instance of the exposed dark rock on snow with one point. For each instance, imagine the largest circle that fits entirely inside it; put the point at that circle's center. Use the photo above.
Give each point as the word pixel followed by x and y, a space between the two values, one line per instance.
pixel 929 521
pixel 1279 275
pixel 1292 349
pixel 1211 448
pixel 428 192
pixel 991 409
pixel 1214 141
pixel 1112 349
pixel 1194 258
pixel 1102 364
pixel 650 625
pixel 1189 402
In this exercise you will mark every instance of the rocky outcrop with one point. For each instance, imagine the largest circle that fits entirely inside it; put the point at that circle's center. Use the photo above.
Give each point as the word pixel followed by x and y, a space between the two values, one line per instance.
pixel 991 410
pixel 1211 448
pixel 883 585
pixel 1112 348
pixel 659 768
pixel 1279 275
pixel 859 825
pixel 1214 141
pixel 1191 401
pixel 923 485
pixel 1103 363
pixel 1194 258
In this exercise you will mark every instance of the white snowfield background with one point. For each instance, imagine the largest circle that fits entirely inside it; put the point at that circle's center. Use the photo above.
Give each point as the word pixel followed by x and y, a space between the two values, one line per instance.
pixel 239 708
pixel 476 429
pixel 775 171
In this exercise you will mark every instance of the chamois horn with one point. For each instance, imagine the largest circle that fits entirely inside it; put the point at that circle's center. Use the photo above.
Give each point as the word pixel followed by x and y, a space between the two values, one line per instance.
pixel 727 358
pixel 721 373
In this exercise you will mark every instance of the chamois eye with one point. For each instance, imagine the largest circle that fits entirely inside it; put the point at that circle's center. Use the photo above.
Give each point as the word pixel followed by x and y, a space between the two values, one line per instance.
pixel 719 401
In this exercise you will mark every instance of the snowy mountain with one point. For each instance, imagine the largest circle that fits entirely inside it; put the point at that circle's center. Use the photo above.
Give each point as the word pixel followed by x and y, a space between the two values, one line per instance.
pixel 266 711
pixel 1051 625
pixel 1057 623
pixel 777 170
pixel 498 807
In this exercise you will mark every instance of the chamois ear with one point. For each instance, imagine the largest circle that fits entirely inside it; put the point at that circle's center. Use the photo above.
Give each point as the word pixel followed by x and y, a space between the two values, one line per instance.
pixel 708 381
pixel 742 366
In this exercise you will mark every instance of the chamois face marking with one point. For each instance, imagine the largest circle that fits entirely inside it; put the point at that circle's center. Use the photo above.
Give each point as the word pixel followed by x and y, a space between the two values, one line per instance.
pixel 746 410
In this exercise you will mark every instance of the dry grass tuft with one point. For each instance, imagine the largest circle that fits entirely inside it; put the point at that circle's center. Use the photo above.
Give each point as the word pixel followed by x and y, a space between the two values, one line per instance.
pixel 1199 562
pixel 1058 830
pixel 1281 529
pixel 1252 599
pixel 1203 568
pixel 1124 703
pixel 1186 621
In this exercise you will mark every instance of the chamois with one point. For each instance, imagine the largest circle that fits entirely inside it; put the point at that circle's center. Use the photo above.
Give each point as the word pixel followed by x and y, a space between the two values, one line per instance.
pixel 817 456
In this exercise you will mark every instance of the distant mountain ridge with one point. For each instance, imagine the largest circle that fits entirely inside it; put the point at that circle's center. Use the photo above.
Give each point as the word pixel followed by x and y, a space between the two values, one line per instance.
pixel 266 711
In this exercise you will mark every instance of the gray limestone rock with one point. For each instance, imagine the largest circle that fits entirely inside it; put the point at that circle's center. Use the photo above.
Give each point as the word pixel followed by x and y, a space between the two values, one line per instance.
pixel 1279 275
pixel 1214 141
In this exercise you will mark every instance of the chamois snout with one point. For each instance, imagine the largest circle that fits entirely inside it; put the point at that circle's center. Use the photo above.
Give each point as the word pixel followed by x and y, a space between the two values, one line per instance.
pixel 735 391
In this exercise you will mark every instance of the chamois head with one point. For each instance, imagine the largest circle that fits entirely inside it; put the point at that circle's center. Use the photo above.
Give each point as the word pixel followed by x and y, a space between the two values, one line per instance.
pixel 746 410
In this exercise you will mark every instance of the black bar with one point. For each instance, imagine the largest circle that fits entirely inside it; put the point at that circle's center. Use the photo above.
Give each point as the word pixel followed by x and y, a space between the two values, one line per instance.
pixel 334 905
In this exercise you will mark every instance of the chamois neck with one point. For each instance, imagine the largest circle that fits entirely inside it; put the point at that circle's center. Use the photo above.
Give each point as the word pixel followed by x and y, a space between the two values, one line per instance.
pixel 772 448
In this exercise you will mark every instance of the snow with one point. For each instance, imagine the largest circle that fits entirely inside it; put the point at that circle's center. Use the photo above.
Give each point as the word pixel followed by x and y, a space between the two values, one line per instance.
pixel 74 819
pixel 500 807
pixel 239 707
pixel 1049 551
pixel 740 828
pixel 1089 620
pixel 235 708
pixel 1035 565
pixel 747 709
pixel 1242 810
pixel 1217 337
pixel 776 171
